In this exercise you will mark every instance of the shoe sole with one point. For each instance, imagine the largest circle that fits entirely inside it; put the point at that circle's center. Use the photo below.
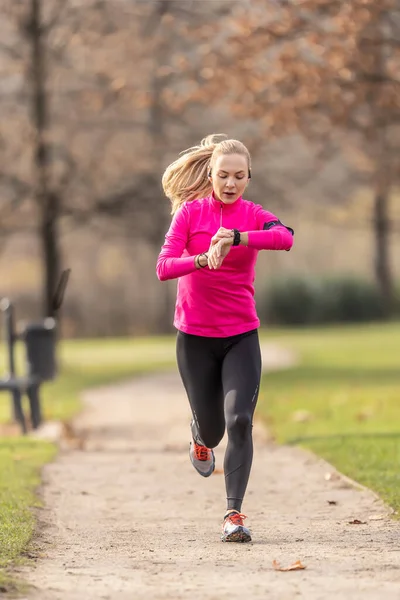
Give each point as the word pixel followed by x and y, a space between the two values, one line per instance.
pixel 210 472
pixel 237 536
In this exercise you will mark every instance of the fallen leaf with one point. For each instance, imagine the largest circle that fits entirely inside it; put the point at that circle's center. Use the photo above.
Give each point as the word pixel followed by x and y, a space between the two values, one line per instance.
pixel 218 471
pixel 332 502
pixel 297 566
pixel 357 522
pixel 332 476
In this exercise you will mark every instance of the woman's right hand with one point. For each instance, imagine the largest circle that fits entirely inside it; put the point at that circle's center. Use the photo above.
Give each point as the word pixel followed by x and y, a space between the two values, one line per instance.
pixel 218 251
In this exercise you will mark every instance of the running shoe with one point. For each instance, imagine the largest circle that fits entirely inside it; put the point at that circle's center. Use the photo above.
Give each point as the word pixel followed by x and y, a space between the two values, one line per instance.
pixel 202 458
pixel 233 529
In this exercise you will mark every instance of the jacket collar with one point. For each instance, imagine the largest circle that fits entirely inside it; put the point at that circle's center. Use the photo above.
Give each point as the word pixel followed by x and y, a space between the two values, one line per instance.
pixel 219 205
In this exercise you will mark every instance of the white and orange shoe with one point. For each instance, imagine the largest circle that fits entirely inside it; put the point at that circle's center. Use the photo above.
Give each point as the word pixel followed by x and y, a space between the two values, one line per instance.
pixel 202 458
pixel 233 529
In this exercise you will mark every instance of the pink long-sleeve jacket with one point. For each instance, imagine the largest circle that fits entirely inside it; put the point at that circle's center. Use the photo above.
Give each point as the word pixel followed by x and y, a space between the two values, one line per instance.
pixel 218 303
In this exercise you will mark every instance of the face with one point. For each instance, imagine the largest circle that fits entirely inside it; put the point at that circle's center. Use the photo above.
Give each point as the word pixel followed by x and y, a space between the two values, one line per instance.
pixel 229 176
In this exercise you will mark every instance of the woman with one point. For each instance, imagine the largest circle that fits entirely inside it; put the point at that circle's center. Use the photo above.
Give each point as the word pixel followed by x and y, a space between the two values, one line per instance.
pixel 212 246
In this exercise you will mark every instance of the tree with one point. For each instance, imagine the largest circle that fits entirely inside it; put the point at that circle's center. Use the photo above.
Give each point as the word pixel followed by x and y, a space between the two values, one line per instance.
pixel 96 131
pixel 38 191
pixel 41 192
pixel 322 67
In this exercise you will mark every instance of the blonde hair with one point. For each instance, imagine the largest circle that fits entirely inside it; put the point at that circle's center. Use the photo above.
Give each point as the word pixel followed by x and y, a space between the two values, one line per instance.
pixel 186 178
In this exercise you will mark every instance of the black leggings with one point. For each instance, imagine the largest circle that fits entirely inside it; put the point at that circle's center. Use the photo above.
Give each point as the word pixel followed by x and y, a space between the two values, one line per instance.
pixel 222 378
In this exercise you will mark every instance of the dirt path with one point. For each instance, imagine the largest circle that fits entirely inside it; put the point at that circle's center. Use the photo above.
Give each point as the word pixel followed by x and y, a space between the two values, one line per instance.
pixel 128 518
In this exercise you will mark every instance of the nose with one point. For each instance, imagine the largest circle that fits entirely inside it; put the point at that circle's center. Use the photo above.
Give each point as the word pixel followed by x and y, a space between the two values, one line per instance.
pixel 230 183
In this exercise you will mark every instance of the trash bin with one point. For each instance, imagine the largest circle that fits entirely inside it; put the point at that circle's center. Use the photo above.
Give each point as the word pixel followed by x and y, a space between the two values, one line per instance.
pixel 40 342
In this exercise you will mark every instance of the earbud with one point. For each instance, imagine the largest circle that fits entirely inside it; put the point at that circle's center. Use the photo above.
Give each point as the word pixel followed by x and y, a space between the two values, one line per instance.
pixel 249 174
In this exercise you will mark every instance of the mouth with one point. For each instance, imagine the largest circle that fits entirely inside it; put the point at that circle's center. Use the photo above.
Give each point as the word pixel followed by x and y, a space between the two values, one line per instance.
pixel 230 194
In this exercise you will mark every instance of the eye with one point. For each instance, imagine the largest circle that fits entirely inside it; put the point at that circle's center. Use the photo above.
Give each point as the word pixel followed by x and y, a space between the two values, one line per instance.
pixel 222 176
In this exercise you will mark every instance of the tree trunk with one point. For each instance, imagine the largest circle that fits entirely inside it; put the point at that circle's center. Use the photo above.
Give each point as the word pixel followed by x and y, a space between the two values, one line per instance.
pixel 157 122
pixel 373 51
pixel 383 272
pixel 50 252
pixel 47 201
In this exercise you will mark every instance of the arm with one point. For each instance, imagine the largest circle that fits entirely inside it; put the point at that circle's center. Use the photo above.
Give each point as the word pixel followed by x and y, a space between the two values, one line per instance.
pixel 271 234
pixel 170 263
pixel 276 238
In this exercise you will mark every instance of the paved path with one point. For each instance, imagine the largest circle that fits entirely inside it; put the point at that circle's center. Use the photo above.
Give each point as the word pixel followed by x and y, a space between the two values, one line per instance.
pixel 128 518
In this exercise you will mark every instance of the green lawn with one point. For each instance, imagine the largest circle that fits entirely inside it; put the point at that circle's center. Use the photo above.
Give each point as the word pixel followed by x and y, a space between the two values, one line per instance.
pixel 82 364
pixel 342 401
pixel 20 463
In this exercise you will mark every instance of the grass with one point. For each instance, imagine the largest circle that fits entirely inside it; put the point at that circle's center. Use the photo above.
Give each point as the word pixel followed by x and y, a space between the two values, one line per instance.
pixel 20 463
pixel 342 401
pixel 83 364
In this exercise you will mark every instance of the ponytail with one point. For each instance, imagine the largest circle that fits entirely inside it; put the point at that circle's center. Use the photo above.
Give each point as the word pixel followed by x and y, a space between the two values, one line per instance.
pixel 186 178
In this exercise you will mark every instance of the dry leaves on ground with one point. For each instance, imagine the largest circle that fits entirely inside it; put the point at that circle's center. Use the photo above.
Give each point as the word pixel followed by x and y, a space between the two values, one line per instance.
pixel 296 566
pixel 357 522
pixel 332 476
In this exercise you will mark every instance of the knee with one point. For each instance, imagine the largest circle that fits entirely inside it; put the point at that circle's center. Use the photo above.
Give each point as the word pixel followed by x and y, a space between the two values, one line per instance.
pixel 239 425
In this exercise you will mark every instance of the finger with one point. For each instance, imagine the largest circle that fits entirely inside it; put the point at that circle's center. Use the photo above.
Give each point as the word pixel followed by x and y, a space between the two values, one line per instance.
pixel 218 236
pixel 222 233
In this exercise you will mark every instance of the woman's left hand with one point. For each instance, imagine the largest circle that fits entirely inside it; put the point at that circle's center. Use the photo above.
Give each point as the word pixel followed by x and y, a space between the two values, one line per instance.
pixel 221 234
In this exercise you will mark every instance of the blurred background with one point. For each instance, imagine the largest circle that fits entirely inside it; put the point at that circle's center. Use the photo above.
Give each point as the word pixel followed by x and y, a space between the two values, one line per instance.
pixel 98 97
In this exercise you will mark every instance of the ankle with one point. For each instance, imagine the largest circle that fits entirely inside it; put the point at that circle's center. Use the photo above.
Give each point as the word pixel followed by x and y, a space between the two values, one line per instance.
pixel 230 511
pixel 195 435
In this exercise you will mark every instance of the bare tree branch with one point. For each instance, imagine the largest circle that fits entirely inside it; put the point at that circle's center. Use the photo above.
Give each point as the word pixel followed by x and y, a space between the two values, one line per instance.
pixel 58 15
